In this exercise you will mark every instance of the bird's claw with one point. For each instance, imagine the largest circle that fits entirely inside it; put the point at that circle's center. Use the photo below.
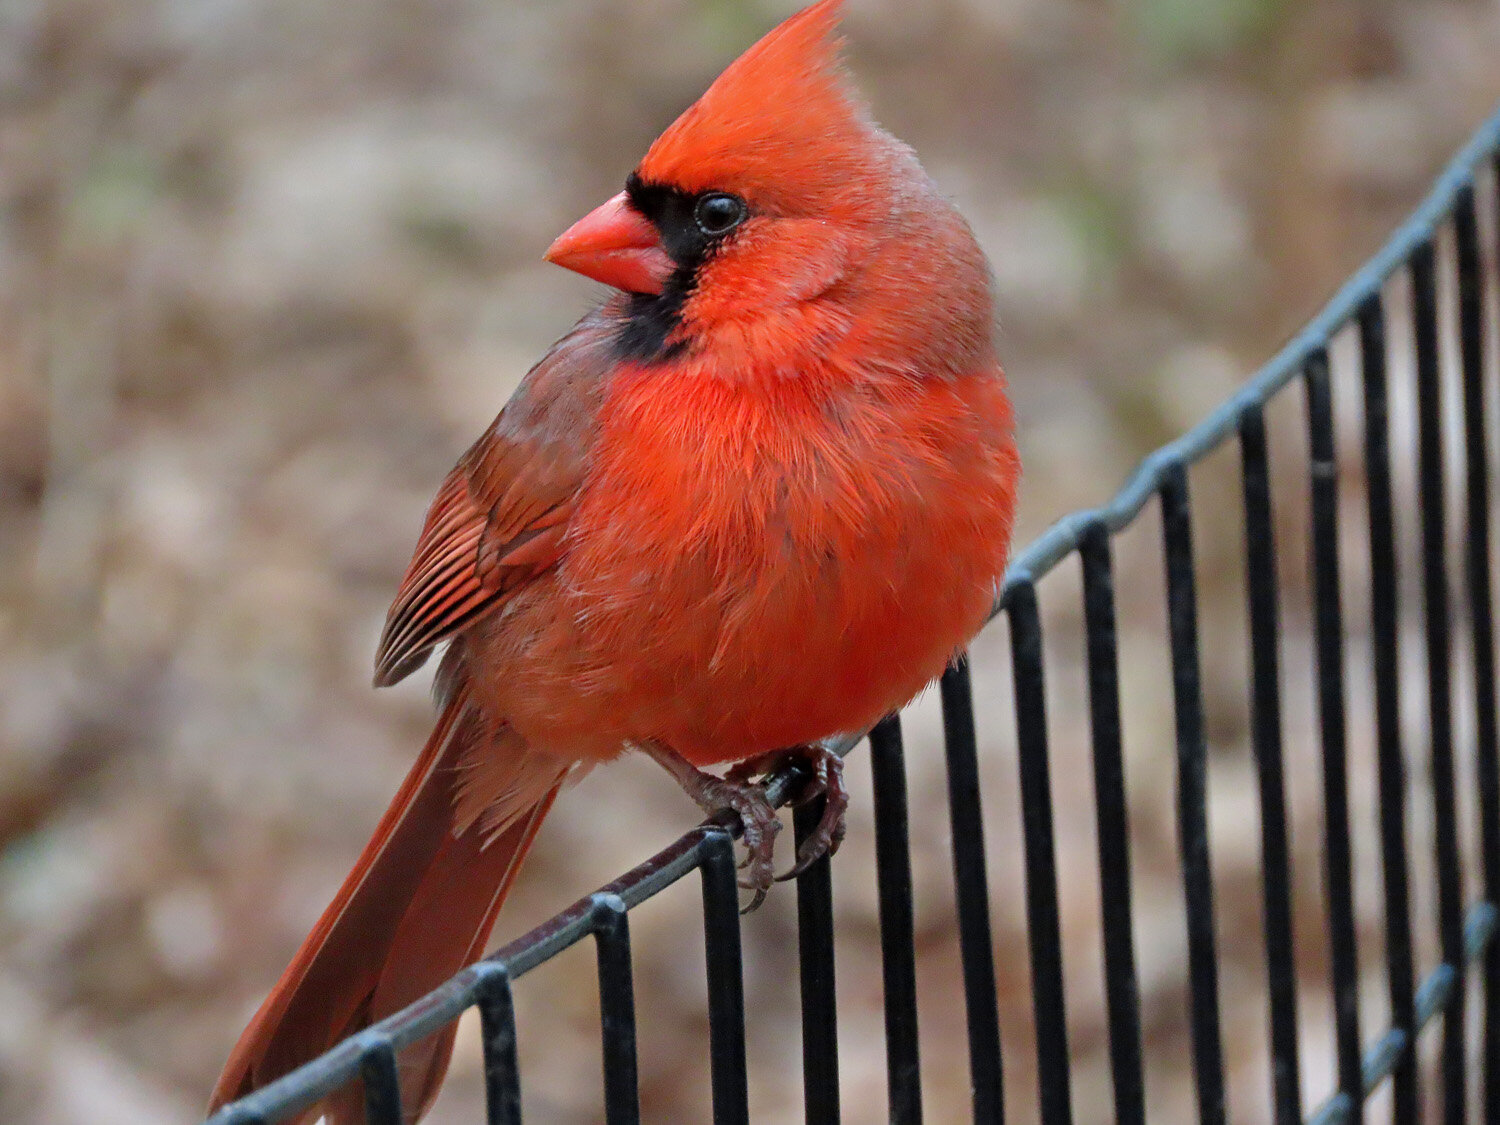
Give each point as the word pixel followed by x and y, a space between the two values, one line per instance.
pixel 739 793
pixel 827 780
pixel 759 826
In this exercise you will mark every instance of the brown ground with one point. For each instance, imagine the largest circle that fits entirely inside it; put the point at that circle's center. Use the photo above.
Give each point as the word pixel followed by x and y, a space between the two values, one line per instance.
pixel 266 267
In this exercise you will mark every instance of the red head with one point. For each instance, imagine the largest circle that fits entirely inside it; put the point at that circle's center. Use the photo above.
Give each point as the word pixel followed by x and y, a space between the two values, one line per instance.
pixel 775 202
pixel 780 126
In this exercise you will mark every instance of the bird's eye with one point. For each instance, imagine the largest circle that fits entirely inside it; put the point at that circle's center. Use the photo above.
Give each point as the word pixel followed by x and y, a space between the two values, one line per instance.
pixel 719 213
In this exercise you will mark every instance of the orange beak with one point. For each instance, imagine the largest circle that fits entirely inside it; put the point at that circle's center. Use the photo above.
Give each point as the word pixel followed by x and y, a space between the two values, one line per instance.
pixel 616 244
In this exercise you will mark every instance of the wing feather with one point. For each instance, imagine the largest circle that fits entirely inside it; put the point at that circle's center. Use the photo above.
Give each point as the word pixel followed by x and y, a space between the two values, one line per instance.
pixel 500 518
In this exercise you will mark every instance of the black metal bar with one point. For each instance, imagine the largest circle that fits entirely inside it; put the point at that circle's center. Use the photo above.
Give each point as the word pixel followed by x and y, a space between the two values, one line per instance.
pixel 1049 1002
pixel 377 1072
pixel 1121 990
pixel 726 982
pixel 1481 613
pixel 1192 796
pixel 820 1030
pixel 1439 671
pixel 1329 635
pixel 497 1022
pixel 622 1101
pixel 1385 649
pixel 1265 716
pixel 898 945
pixel 971 888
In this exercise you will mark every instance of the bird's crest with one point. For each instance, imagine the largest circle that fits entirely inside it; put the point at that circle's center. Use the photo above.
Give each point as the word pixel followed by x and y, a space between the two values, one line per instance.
pixel 782 113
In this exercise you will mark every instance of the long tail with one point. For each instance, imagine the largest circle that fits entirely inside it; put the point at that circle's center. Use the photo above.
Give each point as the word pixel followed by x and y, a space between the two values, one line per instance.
pixel 417 907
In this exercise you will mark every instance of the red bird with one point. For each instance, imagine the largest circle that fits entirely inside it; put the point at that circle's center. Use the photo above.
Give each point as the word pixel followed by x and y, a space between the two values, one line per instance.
pixel 762 495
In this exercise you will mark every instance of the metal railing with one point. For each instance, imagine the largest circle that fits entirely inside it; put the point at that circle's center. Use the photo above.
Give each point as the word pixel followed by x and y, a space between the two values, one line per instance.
pixel 1465 933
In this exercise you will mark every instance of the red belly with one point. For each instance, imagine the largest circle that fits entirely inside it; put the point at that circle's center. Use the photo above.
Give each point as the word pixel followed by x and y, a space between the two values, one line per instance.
pixel 792 587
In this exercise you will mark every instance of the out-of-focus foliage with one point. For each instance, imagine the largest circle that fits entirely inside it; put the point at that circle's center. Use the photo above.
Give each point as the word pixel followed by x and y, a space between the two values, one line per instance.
pixel 1177 30
pixel 267 266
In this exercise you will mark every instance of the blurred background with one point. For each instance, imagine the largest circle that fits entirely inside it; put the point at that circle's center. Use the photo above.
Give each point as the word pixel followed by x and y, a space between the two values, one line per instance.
pixel 268 266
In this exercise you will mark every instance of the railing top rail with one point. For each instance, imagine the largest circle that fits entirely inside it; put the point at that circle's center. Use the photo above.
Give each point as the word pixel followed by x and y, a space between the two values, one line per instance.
pixel 1063 537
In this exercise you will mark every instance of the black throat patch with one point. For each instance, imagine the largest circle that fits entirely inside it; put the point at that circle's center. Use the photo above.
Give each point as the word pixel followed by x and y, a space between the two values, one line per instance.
pixel 651 320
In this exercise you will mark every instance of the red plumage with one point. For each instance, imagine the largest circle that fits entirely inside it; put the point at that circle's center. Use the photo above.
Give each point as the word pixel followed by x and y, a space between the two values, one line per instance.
pixel 760 499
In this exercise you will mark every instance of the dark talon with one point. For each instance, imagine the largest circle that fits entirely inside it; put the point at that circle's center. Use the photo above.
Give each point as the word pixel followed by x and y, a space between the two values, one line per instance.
pixel 759 823
pixel 761 826
pixel 813 849
pixel 824 840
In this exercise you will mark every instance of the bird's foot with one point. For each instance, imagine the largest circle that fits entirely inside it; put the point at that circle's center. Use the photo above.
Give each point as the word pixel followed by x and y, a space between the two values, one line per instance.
pixel 827 778
pixel 758 820
pixel 760 828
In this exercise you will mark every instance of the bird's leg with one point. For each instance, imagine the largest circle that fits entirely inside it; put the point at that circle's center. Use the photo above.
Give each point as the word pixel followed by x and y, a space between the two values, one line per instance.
pixel 827 770
pixel 748 801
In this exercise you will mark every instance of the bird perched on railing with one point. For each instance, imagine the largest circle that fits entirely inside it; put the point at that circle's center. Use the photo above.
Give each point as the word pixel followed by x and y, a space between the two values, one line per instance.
pixel 760 496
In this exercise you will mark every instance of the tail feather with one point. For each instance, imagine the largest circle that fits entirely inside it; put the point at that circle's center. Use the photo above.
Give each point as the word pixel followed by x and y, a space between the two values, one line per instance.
pixel 418 906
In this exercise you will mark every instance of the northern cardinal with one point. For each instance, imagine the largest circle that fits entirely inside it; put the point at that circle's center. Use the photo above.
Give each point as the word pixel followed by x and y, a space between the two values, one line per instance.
pixel 760 496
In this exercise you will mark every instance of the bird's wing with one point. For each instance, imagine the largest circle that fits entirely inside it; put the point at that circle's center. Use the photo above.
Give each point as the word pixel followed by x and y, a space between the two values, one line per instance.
pixel 500 518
